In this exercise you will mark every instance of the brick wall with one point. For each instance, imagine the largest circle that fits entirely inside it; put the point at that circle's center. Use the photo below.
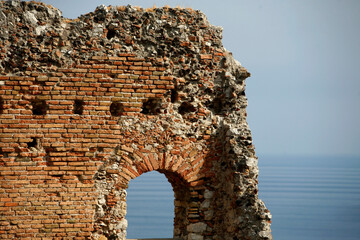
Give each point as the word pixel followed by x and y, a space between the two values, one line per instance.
pixel 86 105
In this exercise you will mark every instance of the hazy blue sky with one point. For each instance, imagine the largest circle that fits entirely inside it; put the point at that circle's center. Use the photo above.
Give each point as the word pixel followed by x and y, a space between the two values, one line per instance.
pixel 304 57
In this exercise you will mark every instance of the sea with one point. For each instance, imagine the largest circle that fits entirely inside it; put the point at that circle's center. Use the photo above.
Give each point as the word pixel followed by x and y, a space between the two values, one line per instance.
pixel 310 198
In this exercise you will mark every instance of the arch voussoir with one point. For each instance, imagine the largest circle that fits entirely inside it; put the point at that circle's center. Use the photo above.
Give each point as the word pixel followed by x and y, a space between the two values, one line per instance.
pixel 125 176
pixel 176 163
pixel 198 159
pixel 153 161
pixel 169 162
pixel 148 164
pixel 140 167
pixel 162 157
pixel 130 171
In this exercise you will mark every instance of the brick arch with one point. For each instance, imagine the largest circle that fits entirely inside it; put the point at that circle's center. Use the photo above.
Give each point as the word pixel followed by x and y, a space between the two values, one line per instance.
pixel 186 165
pixel 183 170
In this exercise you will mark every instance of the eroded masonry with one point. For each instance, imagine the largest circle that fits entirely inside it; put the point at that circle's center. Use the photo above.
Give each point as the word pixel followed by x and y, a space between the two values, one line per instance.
pixel 88 104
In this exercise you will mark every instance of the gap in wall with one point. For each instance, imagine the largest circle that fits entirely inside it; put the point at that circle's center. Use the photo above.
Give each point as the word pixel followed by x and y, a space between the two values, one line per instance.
pixel 150 207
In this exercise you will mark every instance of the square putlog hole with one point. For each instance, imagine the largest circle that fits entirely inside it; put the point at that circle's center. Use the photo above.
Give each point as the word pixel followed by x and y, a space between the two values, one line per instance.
pixel 39 107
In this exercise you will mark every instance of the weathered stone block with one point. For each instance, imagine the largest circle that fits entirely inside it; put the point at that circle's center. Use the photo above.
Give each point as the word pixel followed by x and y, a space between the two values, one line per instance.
pixel 199 227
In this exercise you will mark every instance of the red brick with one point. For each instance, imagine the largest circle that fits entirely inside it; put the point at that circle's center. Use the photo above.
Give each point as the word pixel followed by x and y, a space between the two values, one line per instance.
pixel 130 172
pixel 11 204
pixel 153 161
pixel 148 164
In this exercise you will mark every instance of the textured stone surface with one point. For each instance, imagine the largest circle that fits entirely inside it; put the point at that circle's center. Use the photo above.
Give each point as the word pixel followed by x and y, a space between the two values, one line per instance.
pixel 88 104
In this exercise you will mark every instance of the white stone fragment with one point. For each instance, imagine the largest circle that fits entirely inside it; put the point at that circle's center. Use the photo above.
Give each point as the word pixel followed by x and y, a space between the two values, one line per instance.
pixel 102 7
pixel 30 17
pixel 251 162
pixel 232 132
pixel 2 16
pixel 196 227
pixel 193 236
pixel 53 12
pixel 208 194
pixel 205 204
pixel 102 201
pixel 14 3
pixel 237 63
pixel 40 30
pixel 122 224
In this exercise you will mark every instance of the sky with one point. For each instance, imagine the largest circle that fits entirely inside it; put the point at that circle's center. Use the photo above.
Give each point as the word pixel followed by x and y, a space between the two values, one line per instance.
pixel 304 57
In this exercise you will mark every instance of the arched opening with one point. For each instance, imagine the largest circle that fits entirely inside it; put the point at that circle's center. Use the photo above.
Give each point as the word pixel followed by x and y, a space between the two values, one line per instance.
pixel 121 214
pixel 150 207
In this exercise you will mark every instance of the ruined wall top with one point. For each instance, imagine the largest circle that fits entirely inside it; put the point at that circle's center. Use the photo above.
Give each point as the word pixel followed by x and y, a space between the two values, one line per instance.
pixel 158 32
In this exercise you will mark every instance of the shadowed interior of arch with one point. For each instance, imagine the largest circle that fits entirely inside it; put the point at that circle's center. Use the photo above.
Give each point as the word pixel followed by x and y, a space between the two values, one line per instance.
pixel 150 207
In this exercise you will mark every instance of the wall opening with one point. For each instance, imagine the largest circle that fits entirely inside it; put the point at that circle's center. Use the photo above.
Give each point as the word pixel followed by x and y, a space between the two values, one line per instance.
pixel 110 34
pixel 150 207
pixel 78 107
pixel 152 106
pixel 116 109
pixel 33 143
pixel 39 107
pixel 186 107
pixel 1 105
pixel 174 96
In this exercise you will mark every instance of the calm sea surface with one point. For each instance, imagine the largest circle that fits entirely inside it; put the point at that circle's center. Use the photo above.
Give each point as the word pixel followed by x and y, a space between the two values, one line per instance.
pixel 310 198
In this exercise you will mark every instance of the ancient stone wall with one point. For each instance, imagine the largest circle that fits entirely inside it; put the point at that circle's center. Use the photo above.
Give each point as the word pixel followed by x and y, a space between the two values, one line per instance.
pixel 88 104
